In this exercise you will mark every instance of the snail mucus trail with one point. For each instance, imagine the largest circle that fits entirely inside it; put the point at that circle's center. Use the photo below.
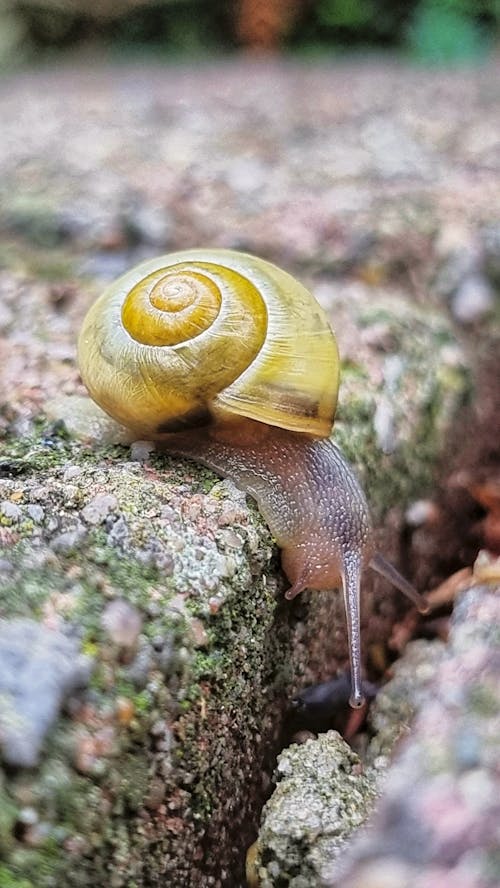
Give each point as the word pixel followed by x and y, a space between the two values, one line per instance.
pixel 228 360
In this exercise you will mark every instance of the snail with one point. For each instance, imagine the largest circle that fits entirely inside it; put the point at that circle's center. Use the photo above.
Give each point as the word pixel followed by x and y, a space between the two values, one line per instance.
pixel 230 361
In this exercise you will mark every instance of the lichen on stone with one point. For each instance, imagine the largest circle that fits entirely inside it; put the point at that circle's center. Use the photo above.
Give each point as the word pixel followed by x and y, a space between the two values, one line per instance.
pixel 322 795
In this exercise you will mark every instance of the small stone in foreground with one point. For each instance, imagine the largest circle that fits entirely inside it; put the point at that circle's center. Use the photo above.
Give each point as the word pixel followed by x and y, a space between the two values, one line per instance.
pixel 122 622
pixel 321 797
pixel 38 668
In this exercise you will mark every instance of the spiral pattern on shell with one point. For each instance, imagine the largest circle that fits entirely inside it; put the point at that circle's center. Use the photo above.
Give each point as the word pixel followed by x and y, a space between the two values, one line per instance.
pixel 170 306
pixel 200 333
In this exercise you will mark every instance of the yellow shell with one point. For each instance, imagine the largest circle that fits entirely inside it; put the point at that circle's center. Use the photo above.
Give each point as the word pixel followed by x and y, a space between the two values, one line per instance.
pixel 202 333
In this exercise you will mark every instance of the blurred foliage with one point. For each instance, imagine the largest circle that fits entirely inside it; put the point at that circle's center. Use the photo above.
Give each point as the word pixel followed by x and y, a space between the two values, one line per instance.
pixel 434 31
pixel 367 22
pixel 451 31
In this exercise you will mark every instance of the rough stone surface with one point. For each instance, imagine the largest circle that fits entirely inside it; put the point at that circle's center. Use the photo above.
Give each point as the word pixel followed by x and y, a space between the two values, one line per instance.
pixel 322 795
pixel 392 712
pixel 445 830
pixel 173 597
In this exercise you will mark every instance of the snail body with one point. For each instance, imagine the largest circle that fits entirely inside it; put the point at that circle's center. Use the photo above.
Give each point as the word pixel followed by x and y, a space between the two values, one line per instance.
pixel 246 383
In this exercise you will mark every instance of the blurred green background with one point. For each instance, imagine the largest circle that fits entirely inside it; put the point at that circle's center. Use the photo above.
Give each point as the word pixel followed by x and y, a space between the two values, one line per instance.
pixel 432 31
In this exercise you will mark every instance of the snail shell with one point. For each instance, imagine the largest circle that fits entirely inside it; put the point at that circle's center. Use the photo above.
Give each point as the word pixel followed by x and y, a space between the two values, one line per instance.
pixel 219 334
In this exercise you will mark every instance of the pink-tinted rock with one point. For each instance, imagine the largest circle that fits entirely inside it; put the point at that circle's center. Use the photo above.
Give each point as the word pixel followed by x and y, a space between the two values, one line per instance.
pixel 437 824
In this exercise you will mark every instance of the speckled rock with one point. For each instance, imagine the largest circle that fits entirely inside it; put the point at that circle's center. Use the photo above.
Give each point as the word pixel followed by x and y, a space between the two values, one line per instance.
pixel 437 822
pixel 171 596
pixel 322 796
pixel 395 705
pixel 39 667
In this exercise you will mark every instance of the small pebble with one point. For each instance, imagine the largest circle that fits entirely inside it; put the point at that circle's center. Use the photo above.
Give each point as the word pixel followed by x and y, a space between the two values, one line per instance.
pixel 27 816
pixel 420 512
pixel 41 494
pixel 98 509
pixel 140 451
pixel 473 300
pixel 36 513
pixel 123 622
pixel 214 603
pixel 138 670
pixel 177 604
pixel 71 472
pixel 230 539
pixel 92 750
pixel 199 633
pixel 68 541
pixel 156 794
pixel 11 511
pixel 124 710
pixel 119 533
